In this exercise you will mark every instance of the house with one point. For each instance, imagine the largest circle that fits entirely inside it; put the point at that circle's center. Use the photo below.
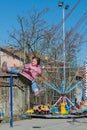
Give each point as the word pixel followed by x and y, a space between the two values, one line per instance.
pixel 13 59
pixel 11 56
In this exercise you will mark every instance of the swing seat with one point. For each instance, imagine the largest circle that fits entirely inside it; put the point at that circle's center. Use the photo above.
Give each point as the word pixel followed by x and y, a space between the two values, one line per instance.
pixel 24 79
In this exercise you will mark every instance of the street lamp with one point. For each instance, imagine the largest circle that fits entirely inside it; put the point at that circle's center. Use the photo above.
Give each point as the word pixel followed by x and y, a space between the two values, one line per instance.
pixel 61 4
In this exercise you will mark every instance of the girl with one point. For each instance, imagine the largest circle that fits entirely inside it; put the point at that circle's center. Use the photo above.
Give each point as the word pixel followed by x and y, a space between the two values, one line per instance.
pixel 30 71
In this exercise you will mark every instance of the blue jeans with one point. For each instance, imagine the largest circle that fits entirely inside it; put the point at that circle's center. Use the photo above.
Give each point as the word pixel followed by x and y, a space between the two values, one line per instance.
pixel 13 71
pixel 34 86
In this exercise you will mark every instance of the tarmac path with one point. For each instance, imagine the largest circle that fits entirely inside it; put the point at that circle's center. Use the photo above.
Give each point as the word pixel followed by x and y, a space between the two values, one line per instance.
pixel 47 124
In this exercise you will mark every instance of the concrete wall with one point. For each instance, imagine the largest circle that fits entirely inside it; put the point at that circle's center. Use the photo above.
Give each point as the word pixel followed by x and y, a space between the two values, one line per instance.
pixel 5 91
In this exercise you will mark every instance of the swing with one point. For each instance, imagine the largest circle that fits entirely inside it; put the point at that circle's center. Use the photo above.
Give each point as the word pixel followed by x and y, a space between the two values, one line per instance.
pixel 24 79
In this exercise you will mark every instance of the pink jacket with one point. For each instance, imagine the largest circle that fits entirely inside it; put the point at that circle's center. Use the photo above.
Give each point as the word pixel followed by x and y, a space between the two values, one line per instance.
pixel 31 71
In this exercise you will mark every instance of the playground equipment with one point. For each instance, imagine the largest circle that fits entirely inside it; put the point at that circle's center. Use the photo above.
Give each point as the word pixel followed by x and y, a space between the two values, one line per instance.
pixel 62 91
pixel 79 79
pixel 41 109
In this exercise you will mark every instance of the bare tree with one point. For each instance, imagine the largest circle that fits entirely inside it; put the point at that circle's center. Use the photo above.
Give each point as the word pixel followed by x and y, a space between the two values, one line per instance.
pixel 31 32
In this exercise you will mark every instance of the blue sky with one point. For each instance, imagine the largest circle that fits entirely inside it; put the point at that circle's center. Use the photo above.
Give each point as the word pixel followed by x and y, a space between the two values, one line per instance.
pixel 10 9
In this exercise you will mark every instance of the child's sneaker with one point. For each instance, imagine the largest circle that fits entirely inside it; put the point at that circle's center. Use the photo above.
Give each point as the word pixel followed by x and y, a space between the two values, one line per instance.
pixel 4 67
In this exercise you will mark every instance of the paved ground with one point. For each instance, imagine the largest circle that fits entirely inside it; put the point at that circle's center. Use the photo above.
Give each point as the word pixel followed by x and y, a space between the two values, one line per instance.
pixel 47 124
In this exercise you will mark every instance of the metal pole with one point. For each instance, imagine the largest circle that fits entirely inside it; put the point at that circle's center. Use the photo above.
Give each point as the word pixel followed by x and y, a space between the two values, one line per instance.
pixel 11 102
pixel 64 52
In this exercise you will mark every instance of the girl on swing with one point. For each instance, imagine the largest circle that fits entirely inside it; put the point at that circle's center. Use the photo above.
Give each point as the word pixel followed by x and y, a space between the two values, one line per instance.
pixel 30 71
